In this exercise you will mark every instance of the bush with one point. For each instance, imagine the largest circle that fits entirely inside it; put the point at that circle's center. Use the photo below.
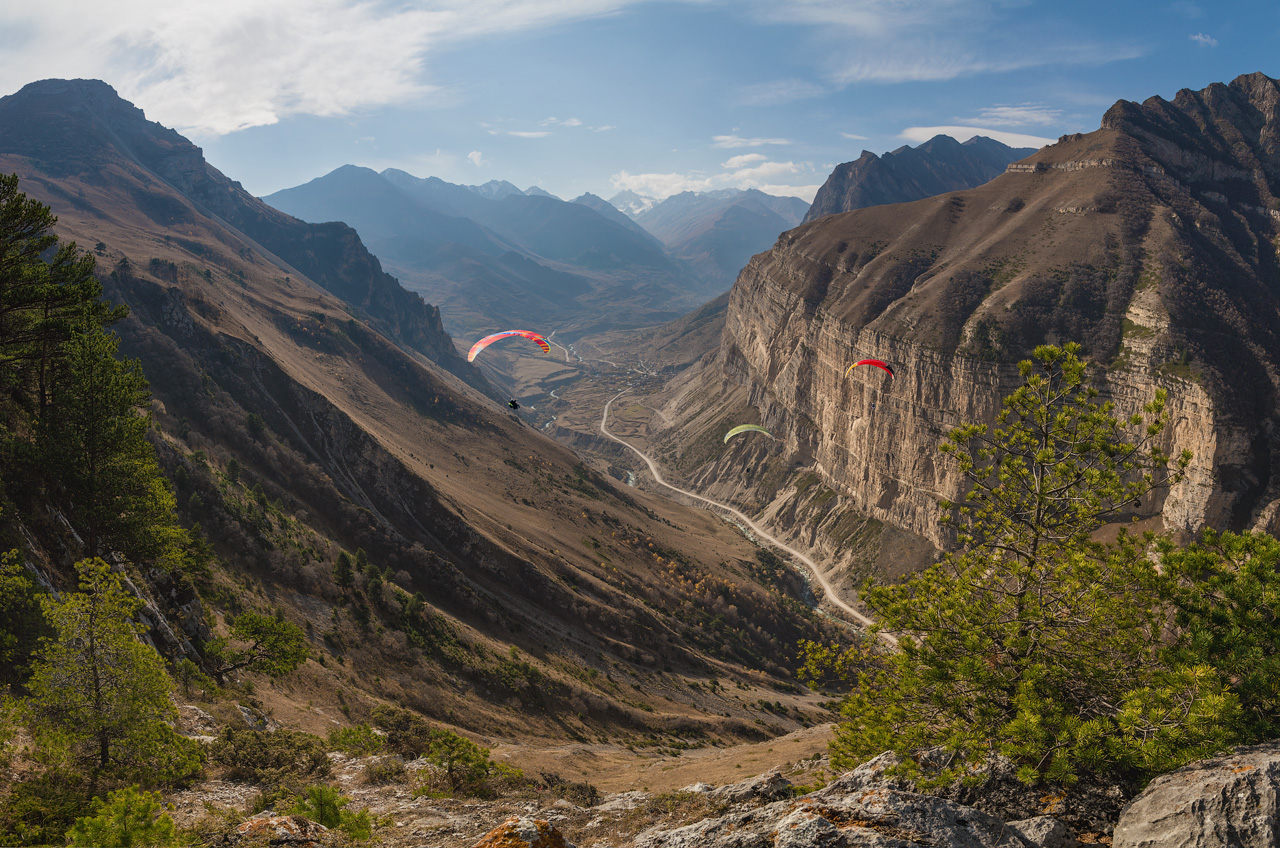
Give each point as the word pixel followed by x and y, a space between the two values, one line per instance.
pixel 389 769
pixel 460 767
pixel 264 757
pixel 128 817
pixel 407 734
pixel 581 793
pixel 39 810
pixel 359 740
pixel 325 805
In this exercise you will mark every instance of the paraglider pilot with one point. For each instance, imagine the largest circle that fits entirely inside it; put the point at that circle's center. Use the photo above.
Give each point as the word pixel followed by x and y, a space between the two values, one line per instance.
pixel 513 404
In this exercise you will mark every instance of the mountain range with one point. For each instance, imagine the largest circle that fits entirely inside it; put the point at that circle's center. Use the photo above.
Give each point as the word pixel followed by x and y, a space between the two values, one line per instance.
pixel 494 256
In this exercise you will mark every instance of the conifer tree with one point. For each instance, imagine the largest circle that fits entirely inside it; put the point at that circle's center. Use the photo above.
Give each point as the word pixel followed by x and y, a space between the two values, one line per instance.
pixel 262 643
pixel 99 696
pixel 40 301
pixel 1030 639
pixel 101 466
pixel 343 574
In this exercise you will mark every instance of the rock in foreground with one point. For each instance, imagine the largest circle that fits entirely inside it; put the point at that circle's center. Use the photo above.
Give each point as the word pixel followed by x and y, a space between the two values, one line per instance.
pixel 1232 800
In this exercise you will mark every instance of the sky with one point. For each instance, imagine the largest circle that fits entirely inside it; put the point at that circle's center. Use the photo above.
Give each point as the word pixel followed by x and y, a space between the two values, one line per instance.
pixel 601 96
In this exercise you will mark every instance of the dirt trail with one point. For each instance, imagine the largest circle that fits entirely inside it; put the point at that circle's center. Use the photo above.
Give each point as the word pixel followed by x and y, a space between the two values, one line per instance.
pixel 814 571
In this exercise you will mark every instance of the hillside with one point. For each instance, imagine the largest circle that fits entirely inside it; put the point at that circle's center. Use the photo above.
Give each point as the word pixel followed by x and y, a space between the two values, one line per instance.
pixel 939 165
pixel 299 413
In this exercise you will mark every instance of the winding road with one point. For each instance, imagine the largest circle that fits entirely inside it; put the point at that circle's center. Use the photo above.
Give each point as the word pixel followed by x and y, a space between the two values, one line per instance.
pixel 812 567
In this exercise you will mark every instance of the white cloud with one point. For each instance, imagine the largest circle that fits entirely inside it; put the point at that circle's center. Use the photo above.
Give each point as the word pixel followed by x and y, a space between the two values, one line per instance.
pixel 779 92
pixel 1019 116
pixel 963 134
pixel 604 128
pixel 528 133
pixel 744 160
pixel 568 122
pixel 253 63
pixel 1204 40
pixel 729 141
pixel 475 158
pixel 742 172
pixel 853 136
pixel 660 185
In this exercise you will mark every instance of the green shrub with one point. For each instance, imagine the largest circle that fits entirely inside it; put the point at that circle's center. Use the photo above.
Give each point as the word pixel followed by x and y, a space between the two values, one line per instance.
pixel 325 805
pixel 389 769
pixel 127 818
pixel 581 793
pixel 458 766
pixel 359 740
pixel 269 757
pixel 39 810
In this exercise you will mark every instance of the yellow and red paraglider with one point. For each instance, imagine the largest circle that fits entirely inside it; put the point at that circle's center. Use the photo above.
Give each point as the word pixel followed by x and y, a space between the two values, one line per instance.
pixel 876 362
pixel 488 340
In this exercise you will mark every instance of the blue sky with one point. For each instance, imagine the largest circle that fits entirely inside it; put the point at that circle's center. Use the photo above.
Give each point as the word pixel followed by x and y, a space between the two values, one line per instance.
pixel 598 96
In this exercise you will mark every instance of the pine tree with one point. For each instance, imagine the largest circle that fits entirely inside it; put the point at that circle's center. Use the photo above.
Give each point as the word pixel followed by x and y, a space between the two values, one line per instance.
pixel 97 456
pixel 271 646
pixel 343 574
pixel 41 301
pixel 98 694
pixel 1031 639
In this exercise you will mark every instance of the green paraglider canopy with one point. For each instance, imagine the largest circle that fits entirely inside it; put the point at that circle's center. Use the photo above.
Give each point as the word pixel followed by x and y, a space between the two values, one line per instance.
pixel 742 428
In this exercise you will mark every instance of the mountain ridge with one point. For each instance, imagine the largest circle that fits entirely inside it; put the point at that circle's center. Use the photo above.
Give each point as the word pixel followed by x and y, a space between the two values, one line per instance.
pixel 939 165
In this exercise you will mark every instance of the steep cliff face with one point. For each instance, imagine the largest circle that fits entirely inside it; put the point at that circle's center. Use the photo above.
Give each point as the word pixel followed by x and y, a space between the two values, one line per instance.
pixel 1151 241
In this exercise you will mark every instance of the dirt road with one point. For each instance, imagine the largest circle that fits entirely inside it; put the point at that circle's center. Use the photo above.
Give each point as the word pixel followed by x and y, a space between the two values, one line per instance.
pixel 812 567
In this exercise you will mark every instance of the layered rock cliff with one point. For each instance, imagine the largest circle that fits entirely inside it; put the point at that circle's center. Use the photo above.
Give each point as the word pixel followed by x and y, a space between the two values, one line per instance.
pixel 1151 241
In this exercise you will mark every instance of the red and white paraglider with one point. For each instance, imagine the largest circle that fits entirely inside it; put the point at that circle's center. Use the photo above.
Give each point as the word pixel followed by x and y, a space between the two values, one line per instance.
pixel 488 340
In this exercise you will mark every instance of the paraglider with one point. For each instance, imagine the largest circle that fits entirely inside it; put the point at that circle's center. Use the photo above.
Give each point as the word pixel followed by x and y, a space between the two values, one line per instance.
pixel 876 362
pixel 513 403
pixel 743 428
pixel 488 340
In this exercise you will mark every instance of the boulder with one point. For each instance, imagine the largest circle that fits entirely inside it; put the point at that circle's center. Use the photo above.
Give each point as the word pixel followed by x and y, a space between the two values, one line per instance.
pixel 523 832
pixel 1230 800
pixel 291 831
pixel 844 815
pixel 1045 832
pixel 771 786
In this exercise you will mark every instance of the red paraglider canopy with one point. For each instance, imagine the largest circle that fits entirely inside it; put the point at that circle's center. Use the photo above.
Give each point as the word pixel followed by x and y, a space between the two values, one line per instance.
pixel 876 362
pixel 488 340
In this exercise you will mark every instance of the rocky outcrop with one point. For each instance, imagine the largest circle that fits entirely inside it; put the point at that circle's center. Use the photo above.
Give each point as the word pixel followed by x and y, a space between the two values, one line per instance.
pixel 862 808
pixel 1142 241
pixel 1232 800
pixel 291 831
pixel 523 832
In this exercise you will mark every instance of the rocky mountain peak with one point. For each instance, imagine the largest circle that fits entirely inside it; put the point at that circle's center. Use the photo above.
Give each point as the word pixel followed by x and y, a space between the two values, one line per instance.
pixel 911 173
